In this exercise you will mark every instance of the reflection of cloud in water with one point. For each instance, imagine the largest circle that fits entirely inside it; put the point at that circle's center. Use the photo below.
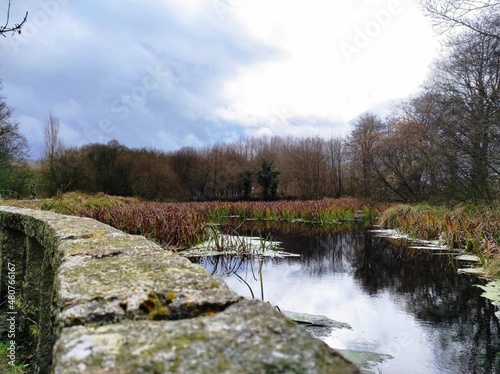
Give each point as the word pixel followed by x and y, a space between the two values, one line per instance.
pixel 405 303
pixel 378 324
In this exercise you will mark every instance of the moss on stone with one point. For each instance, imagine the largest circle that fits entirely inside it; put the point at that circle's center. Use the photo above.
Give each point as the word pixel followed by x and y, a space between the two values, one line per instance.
pixel 155 308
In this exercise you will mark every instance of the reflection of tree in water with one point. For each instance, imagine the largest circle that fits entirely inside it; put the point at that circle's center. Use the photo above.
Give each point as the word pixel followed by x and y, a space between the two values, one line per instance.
pixel 426 285
pixel 240 266
pixel 313 242
pixel 303 229
pixel 471 338
pixel 380 266
pixel 226 265
pixel 222 266
pixel 463 322
pixel 323 254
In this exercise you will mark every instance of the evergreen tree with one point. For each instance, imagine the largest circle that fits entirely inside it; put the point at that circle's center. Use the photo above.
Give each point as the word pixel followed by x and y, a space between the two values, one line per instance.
pixel 267 177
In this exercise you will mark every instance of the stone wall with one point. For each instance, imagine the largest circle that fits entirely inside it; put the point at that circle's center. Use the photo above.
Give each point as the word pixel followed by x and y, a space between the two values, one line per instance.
pixel 92 299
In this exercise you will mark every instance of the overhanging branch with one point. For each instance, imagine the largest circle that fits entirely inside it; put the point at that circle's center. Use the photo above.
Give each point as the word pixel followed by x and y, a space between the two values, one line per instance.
pixel 12 29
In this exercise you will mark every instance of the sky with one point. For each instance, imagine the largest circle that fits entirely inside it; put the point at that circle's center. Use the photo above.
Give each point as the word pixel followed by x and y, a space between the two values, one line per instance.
pixel 167 74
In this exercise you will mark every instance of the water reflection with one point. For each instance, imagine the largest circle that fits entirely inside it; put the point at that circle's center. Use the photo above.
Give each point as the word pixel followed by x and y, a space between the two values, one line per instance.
pixel 408 303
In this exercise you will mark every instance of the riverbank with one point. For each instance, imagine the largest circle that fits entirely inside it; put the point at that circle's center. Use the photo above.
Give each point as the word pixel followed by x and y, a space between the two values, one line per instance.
pixel 473 230
pixel 468 228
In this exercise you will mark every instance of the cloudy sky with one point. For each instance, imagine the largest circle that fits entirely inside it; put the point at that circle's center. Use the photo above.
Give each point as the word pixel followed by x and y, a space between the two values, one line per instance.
pixel 174 73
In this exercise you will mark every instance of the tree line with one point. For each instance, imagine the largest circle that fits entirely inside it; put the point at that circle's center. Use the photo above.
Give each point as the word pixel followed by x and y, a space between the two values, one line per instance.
pixel 441 145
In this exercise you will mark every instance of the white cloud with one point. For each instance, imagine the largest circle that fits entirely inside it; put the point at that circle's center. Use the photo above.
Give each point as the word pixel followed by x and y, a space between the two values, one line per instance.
pixel 314 77
pixel 224 68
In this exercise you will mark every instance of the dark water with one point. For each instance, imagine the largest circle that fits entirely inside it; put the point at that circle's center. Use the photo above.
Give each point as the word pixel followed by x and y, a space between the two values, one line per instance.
pixel 407 303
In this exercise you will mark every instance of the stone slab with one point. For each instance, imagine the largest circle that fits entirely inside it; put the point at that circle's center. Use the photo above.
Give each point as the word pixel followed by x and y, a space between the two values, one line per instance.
pixel 248 337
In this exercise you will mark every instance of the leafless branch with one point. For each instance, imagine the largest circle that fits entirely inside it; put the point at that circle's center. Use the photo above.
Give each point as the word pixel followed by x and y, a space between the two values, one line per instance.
pixel 5 29
pixel 476 15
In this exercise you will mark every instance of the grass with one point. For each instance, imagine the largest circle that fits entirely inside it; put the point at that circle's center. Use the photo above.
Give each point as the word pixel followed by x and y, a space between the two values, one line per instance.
pixel 72 203
pixel 325 211
pixel 492 266
pixel 475 229
pixel 183 225
pixel 18 368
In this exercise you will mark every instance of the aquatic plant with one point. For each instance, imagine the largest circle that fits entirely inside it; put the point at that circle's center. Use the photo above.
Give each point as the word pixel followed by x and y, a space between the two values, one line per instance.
pixel 475 229
pixel 492 267
pixel 186 224
pixel 316 211
pixel 174 224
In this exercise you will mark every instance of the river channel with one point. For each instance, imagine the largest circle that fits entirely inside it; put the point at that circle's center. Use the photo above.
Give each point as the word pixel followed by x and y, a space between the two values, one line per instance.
pixel 408 303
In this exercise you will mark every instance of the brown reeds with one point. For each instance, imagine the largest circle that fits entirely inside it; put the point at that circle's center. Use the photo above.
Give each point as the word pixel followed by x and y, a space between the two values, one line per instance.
pixel 184 224
pixel 473 228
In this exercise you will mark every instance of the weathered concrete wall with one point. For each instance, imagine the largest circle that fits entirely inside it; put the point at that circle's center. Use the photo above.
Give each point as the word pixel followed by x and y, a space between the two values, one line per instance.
pixel 97 300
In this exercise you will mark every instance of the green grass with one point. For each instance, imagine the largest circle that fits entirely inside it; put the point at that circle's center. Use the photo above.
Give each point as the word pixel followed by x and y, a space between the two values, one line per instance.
pixel 72 203
pixel 18 368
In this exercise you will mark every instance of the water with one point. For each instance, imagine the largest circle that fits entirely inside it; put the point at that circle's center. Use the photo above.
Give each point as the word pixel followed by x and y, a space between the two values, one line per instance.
pixel 407 303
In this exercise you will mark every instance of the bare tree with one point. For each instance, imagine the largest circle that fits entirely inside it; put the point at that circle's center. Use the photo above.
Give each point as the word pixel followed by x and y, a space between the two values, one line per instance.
pixel 336 158
pixel 13 145
pixel 13 150
pixel 428 117
pixel 151 176
pixel 52 143
pixel 362 143
pixel 184 162
pixel 476 15
pixel 52 152
pixel 308 165
pixel 401 161
pixel 16 28
pixel 468 82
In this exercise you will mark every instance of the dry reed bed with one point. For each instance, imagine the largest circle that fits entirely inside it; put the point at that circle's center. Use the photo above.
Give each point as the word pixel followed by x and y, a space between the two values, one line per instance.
pixel 184 224
pixel 474 228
